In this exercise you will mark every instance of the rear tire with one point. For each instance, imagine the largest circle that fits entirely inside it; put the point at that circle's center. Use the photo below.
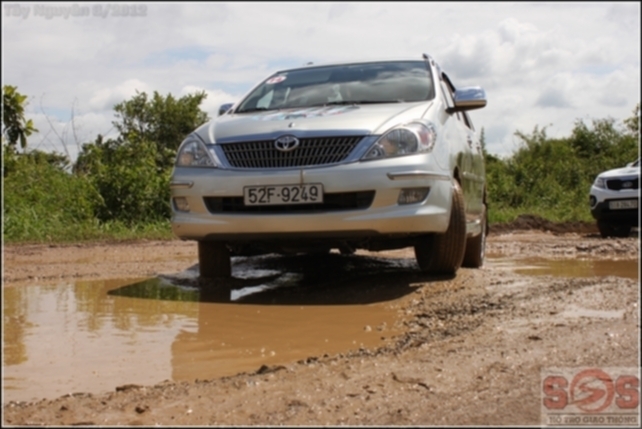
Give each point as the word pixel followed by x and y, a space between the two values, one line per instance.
pixel 444 253
pixel 476 246
pixel 214 260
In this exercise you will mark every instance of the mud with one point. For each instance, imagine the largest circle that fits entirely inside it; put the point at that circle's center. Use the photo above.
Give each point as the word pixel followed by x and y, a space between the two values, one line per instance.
pixel 407 349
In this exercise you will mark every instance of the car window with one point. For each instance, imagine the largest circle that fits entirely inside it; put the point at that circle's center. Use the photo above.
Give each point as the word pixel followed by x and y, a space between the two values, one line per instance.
pixel 383 82
pixel 265 100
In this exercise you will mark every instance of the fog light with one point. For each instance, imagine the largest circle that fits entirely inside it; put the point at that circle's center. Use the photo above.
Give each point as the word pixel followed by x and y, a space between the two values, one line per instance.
pixel 592 201
pixel 411 196
pixel 180 204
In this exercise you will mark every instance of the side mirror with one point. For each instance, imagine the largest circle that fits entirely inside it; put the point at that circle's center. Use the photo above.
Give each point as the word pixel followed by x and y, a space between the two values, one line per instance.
pixel 224 108
pixel 473 97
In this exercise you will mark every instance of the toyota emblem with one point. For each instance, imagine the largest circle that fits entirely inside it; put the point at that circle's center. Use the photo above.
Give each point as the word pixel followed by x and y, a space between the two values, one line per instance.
pixel 286 143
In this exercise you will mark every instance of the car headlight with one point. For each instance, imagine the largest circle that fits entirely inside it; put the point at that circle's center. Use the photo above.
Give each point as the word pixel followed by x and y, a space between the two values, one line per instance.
pixel 193 153
pixel 408 139
pixel 599 183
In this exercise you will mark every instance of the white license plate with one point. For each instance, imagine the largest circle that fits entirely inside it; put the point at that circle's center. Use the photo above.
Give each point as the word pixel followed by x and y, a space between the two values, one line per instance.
pixel 309 193
pixel 623 204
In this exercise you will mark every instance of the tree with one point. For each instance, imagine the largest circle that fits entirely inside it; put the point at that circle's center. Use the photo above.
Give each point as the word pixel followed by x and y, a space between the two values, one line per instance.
pixel 14 126
pixel 132 188
pixel 633 123
pixel 131 172
pixel 165 121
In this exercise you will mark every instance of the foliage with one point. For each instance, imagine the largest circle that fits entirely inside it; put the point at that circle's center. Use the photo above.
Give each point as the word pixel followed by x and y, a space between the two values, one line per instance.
pixel 118 187
pixel 42 201
pixel 11 156
pixel 132 172
pixel 131 186
pixel 552 177
pixel 166 121
pixel 14 126
pixel 633 123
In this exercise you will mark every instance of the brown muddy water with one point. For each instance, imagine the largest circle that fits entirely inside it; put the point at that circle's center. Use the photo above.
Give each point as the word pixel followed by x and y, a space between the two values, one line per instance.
pixel 93 336
pixel 627 268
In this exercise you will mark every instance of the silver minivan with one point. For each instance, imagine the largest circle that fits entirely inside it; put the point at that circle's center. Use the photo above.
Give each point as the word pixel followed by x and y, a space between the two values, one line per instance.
pixel 372 155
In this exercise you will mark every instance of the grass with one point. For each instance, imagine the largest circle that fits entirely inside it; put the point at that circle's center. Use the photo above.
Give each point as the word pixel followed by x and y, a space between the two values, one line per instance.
pixel 90 231
pixel 39 233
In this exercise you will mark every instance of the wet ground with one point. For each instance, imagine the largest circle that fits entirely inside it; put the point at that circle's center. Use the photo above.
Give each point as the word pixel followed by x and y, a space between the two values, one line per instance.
pixel 310 330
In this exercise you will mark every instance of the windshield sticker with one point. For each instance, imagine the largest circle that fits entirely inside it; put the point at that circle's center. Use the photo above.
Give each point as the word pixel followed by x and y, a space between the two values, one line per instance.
pixel 275 79
pixel 310 112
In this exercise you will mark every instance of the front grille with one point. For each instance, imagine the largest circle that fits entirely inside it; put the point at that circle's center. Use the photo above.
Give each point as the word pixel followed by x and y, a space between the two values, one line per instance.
pixel 618 184
pixel 331 202
pixel 311 151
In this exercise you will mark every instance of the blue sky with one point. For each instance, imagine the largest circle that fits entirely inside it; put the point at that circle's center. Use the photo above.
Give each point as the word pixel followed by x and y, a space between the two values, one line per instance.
pixel 542 64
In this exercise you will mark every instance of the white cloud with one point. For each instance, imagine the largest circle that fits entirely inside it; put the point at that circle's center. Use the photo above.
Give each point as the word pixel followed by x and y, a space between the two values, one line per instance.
pixel 214 100
pixel 540 63
pixel 106 98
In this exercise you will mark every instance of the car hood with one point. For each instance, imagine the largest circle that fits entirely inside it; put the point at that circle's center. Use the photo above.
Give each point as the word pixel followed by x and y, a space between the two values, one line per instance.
pixel 333 120
pixel 618 172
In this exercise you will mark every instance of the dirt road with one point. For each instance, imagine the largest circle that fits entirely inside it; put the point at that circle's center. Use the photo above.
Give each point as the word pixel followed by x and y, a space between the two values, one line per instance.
pixel 468 350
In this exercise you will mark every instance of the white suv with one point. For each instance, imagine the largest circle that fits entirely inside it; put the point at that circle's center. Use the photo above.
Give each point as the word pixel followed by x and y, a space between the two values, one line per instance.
pixel 370 155
pixel 615 200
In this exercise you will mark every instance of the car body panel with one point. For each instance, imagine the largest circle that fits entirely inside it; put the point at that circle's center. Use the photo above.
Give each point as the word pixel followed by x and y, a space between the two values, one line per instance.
pixel 352 119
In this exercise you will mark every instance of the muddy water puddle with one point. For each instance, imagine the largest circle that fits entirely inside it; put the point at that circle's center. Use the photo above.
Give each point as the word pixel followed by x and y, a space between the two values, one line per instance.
pixel 92 336
pixel 97 335
pixel 628 268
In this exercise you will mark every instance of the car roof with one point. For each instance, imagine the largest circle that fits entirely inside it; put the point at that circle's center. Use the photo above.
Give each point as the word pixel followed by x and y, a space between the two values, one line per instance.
pixel 362 61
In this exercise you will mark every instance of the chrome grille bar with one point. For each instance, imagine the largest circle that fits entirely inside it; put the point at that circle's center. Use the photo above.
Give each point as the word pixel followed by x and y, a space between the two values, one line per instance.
pixel 311 152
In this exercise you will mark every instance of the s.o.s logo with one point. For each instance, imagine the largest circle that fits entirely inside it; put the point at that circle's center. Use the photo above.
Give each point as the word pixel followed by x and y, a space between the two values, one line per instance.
pixel 591 391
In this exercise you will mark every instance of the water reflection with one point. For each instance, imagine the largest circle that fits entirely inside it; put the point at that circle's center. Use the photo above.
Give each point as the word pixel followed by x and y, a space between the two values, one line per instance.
pixel 158 288
pixel 628 268
pixel 94 336
pixel 59 339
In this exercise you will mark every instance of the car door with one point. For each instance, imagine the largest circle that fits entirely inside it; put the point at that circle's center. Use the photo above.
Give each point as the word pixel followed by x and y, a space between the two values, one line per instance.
pixel 475 167
pixel 462 141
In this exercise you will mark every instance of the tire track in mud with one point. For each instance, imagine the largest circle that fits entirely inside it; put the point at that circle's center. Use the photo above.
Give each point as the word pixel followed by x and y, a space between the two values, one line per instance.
pixel 455 309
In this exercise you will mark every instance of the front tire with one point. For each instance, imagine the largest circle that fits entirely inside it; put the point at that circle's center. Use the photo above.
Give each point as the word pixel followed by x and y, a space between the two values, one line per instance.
pixel 444 253
pixel 476 246
pixel 214 260
pixel 610 230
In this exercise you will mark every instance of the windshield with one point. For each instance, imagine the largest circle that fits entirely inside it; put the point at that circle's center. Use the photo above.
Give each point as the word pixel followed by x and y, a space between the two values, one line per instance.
pixel 384 82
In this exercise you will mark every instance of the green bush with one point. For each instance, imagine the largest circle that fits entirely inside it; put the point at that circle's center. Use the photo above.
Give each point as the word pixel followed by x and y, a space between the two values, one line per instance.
pixel 43 202
pixel 551 178
pixel 132 188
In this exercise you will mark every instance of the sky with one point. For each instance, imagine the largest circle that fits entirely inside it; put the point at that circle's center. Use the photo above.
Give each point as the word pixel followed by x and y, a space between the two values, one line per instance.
pixel 542 64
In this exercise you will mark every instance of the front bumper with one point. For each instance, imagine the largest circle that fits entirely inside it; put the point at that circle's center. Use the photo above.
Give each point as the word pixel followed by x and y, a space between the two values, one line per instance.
pixel 600 209
pixel 383 217
pixel 628 217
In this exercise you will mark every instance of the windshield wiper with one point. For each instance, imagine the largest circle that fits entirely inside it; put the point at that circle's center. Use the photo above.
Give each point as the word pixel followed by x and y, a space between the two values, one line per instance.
pixel 254 109
pixel 351 102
